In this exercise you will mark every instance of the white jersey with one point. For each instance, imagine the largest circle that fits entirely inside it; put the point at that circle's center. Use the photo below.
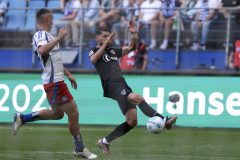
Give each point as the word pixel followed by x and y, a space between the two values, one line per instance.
pixel 52 64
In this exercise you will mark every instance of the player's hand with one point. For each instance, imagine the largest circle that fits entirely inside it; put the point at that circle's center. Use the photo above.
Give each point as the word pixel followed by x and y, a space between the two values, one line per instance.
pixel 73 81
pixel 109 38
pixel 132 27
pixel 62 33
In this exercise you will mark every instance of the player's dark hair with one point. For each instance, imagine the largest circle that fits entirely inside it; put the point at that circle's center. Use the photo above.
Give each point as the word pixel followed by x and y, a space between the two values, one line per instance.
pixel 102 29
pixel 40 13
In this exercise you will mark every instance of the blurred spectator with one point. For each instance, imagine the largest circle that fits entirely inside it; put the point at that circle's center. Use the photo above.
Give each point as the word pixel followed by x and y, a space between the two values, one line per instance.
pixel 3 9
pixel 62 4
pixel 206 10
pixel 130 13
pixel 166 19
pixel 235 4
pixel 139 3
pixel 136 59
pixel 234 57
pixel 188 11
pixel 149 16
pixel 109 13
pixel 70 13
pixel 91 10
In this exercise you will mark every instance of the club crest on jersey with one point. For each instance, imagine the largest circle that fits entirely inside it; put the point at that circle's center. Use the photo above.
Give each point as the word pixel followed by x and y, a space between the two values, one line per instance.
pixel 123 92
pixel 64 98
pixel 112 51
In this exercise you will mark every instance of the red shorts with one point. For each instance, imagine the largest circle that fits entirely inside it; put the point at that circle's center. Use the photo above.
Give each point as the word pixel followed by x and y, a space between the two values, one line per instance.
pixel 57 93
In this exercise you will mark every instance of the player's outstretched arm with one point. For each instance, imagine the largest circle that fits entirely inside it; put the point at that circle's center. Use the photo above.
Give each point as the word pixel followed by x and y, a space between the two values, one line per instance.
pixel 134 40
pixel 46 48
pixel 95 57
pixel 70 78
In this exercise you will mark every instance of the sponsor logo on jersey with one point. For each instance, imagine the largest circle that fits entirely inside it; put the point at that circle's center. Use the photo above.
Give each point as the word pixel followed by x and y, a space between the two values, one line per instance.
pixel 112 51
pixel 123 92
pixel 108 58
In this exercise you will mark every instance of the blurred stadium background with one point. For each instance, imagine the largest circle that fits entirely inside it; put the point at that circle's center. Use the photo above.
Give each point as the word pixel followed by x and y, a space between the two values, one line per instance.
pixel 209 110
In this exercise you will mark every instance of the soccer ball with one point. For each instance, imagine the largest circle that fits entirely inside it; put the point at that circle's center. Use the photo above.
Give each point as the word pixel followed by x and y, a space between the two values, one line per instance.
pixel 155 125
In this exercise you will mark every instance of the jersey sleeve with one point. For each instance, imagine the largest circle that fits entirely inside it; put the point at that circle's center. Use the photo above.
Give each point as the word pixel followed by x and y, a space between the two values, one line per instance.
pixel 92 52
pixel 118 52
pixel 40 38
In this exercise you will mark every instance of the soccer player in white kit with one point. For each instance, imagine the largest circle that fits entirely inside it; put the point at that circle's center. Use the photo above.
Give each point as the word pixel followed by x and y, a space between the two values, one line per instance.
pixel 46 48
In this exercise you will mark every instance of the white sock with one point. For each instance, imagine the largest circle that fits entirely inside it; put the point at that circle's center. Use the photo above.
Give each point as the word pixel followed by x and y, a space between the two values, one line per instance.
pixel 153 41
pixel 105 141
pixel 165 41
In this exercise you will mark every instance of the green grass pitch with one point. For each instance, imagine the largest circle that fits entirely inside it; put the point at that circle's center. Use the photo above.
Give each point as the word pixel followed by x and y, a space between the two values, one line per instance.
pixel 50 142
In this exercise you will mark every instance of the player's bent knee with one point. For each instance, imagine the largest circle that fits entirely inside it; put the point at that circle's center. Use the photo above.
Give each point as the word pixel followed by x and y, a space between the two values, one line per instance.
pixel 135 98
pixel 140 98
pixel 58 116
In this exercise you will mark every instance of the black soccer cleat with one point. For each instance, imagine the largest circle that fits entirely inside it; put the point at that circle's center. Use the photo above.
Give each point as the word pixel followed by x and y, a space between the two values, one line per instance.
pixel 170 122
pixel 103 146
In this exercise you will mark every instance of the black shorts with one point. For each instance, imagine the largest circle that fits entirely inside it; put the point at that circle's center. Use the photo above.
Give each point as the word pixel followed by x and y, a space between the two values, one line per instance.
pixel 119 91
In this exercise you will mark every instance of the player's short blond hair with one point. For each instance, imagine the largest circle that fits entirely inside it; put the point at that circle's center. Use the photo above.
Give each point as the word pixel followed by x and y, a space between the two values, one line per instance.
pixel 41 13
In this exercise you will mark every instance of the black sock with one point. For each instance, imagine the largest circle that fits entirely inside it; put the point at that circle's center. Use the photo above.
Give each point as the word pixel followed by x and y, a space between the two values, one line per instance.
pixel 119 131
pixel 148 110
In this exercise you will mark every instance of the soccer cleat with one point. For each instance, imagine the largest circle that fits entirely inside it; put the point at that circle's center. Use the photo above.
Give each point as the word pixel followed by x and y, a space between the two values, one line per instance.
pixel 170 122
pixel 85 154
pixel 17 123
pixel 103 146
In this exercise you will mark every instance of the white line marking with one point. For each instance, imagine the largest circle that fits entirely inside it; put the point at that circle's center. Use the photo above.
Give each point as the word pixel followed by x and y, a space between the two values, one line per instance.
pixel 120 154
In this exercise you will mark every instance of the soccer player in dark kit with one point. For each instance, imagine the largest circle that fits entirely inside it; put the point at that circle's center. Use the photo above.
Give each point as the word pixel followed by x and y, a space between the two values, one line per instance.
pixel 105 59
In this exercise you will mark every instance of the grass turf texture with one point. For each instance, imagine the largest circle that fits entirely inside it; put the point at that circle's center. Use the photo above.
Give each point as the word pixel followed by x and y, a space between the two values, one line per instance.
pixel 54 143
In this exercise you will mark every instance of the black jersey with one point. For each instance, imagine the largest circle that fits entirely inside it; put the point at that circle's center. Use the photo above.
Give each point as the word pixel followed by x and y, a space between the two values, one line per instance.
pixel 108 66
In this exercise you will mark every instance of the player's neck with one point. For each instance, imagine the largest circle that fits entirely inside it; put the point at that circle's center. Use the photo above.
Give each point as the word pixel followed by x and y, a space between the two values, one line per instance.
pixel 42 27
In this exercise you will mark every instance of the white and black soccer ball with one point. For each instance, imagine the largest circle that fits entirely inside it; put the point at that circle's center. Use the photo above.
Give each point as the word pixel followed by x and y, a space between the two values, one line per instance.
pixel 155 125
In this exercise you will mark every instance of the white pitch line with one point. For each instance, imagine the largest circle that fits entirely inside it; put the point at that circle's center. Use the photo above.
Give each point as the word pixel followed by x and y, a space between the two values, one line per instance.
pixel 182 156
pixel 129 154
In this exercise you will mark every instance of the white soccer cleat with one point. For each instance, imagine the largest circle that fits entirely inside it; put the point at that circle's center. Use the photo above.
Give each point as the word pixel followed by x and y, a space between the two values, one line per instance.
pixel 17 123
pixel 85 154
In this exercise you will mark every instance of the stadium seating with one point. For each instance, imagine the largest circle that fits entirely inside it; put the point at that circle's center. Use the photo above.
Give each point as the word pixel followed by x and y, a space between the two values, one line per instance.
pixel 53 4
pixel 33 4
pixel 16 14
pixel 30 16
